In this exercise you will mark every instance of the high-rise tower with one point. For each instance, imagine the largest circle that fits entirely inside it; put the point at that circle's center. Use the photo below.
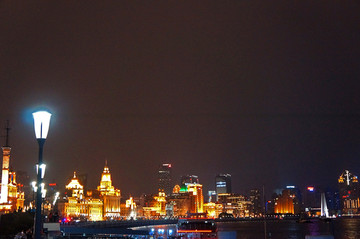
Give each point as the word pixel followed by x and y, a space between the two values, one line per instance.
pixel 110 195
pixel 164 175
pixel 349 189
pixel 106 187
pixel 5 168
pixel 223 183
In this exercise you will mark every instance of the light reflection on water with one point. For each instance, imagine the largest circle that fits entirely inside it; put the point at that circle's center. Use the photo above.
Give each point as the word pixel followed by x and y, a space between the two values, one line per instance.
pixel 340 228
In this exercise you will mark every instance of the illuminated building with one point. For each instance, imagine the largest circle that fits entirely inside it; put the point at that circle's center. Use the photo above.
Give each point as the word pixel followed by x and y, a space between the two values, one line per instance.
pixel 77 190
pixel 213 209
pixel 297 199
pixel 212 196
pixel 188 179
pixel 312 202
pixel 131 208
pixel 196 197
pixel 188 198
pixel 176 189
pixel 23 181
pixel 111 196
pixel 179 204
pixel 235 204
pixel 349 193
pixel 255 198
pixel 284 204
pixel 79 207
pixel 5 174
pixel 223 183
pixel 161 202
pixel 164 176
pixel 10 198
pixel 155 206
pixel 105 187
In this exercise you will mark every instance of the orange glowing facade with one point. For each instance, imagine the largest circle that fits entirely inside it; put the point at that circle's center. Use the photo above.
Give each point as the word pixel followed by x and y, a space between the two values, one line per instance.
pixel 77 206
pixel 213 209
pixel 5 175
pixel 11 198
pixel 110 196
pixel 196 198
pixel 131 208
pixel 76 188
pixel 285 203
pixel 106 206
pixel 158 208
pixel 179 204
pixel 176 189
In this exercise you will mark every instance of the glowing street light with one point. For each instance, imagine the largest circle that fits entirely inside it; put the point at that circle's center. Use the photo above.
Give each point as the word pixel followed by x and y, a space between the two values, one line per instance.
pixel 41 125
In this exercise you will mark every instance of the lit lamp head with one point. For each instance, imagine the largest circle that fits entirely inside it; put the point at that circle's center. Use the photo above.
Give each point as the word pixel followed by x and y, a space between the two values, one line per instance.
pixel 41 124
pixel 33 184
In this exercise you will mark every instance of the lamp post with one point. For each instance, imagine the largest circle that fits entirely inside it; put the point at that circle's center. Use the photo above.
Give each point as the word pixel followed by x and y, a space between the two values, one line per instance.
pixel 41 125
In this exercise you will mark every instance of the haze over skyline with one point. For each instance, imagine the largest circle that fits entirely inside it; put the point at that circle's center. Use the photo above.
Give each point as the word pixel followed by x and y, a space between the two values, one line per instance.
pixel 268 92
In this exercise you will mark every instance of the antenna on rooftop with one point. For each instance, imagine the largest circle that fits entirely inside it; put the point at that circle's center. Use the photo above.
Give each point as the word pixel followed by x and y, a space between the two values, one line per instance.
pixel 7 134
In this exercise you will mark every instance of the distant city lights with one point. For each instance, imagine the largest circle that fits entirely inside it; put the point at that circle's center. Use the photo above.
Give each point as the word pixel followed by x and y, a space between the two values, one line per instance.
pixel 310 189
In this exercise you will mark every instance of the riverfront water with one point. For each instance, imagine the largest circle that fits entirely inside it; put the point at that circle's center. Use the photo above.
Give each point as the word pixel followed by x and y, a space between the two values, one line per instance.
pixel 286 229
pixel 340 229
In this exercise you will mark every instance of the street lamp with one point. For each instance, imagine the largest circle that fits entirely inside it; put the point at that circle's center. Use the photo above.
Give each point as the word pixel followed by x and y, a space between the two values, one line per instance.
pixel 41 125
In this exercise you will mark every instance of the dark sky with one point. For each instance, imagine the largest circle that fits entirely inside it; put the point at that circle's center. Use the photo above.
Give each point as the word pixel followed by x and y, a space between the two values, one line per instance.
pixel 267 91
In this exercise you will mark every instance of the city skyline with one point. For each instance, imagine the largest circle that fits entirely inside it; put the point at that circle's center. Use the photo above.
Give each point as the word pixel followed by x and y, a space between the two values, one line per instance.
pixel 265 92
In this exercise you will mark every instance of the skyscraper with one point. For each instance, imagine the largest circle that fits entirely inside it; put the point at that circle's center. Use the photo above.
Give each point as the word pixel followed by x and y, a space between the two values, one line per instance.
pixel 255 198
pixel 349 189
pixel 223 183
pixel 164 176
pixel 5 174
pixel 196 198
pixel 189 179
pixel 10 198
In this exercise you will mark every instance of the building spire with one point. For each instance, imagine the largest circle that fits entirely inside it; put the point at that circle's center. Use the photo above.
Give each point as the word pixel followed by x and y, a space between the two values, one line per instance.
pixel 7 134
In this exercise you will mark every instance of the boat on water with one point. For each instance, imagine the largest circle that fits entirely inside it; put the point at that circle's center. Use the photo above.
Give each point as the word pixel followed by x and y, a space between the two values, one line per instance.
pixel 197 225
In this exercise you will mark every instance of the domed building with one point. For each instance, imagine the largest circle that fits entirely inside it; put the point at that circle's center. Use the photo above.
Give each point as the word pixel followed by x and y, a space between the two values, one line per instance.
pixel 109 195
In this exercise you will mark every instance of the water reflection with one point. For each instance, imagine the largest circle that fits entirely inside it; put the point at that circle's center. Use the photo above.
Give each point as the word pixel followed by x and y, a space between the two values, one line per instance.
pixel 339 228
pixel 227 234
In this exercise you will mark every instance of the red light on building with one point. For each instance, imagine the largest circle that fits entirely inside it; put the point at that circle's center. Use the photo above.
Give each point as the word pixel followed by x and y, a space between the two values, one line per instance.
pixel 310 189
pixel 52 184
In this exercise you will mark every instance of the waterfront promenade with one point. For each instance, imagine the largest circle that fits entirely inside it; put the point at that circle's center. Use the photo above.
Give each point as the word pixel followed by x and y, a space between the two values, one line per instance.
pixel 112 227
pixel 343 228
pixel 123 227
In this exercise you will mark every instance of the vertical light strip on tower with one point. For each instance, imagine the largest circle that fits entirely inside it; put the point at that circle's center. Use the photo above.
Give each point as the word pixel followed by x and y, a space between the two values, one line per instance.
pixel 5 168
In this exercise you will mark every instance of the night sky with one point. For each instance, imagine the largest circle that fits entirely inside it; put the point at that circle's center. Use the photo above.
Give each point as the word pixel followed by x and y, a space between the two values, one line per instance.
pixel 268 91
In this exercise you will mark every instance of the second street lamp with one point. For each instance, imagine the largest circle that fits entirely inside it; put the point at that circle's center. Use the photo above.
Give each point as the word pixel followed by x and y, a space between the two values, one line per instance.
pixel 41 125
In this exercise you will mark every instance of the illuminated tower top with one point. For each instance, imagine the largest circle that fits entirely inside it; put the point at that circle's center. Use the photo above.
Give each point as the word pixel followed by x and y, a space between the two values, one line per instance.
pixel 5 168
pixel 164 177
pixel 106 176
pixel 76 187
pixel 347 178
pixel 105 187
